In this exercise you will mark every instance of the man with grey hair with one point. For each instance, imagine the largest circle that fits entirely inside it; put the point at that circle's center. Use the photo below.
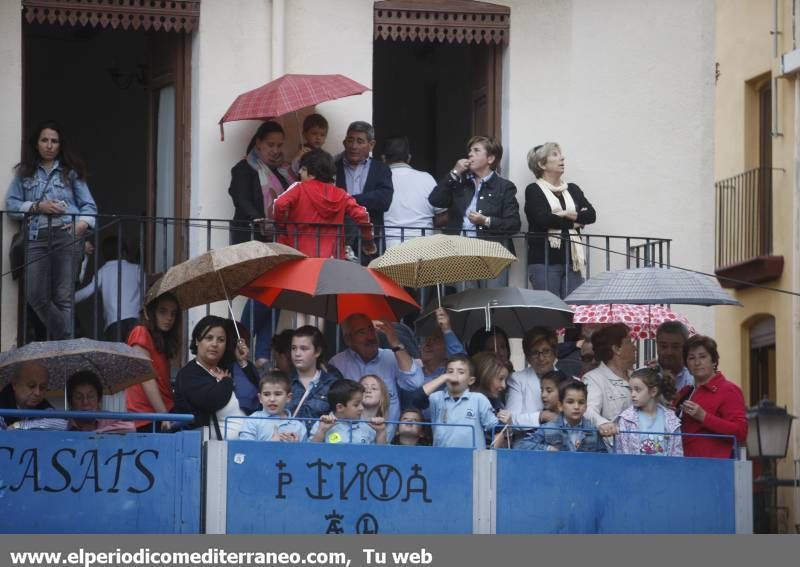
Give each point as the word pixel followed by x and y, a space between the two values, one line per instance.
pixel 26 391
pixel 367 179
pixel 670 338
pixel 363 356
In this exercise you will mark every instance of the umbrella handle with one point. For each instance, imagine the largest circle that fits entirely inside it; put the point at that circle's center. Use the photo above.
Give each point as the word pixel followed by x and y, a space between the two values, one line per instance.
pixel 230 307
pixel 439 294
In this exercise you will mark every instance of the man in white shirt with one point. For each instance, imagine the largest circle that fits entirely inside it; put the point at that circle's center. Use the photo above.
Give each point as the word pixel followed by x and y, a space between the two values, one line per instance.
pixel 410 208
pixel 120 286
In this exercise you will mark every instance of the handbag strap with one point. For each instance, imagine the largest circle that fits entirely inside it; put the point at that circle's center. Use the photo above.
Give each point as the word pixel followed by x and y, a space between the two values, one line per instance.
pixel 216 426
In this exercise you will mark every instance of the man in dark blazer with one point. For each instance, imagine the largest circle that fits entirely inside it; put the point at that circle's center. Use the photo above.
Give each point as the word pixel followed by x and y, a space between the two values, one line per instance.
pixel 480 203
pixel 367 179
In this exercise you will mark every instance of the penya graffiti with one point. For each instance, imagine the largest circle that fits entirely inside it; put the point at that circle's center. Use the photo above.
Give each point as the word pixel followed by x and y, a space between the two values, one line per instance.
pixel 358 481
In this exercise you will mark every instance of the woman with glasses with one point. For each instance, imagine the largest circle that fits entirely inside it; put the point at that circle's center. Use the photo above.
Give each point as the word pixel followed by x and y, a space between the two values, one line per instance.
pixel 524 395
pixel 85 393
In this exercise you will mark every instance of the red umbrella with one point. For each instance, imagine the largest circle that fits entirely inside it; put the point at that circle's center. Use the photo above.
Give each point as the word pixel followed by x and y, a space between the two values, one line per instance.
pixel 643 320
pixel 288 94
pixel 332 289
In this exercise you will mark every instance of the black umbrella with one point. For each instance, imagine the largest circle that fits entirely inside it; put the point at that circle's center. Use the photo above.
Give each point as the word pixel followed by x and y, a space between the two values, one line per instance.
pixel 513 309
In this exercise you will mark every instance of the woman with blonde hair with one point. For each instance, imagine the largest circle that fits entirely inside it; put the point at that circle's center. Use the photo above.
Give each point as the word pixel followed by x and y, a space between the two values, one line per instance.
pixel 556 212
pixel 376 401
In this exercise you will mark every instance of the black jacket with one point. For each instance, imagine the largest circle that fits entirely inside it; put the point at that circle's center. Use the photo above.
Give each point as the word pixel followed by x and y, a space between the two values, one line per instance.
pixel 541 219
pixel 497 200
pixel 245 190
pixel 9 401
pixel 198 392
pixel 377 193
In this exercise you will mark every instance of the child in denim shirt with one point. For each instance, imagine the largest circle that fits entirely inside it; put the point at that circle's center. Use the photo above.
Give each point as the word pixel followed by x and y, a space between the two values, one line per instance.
pixel 346 397
pixel 570 431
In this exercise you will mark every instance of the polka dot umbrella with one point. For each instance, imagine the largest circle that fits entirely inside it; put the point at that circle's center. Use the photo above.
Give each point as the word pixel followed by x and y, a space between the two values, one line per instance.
pixel 643 320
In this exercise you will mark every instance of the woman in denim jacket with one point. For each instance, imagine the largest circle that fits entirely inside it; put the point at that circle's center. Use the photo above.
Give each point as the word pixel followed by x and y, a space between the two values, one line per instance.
pixel 49 193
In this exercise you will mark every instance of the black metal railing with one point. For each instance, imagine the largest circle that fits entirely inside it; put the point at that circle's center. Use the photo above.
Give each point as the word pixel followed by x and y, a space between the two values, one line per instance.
pixel 156 243
pixel 743 217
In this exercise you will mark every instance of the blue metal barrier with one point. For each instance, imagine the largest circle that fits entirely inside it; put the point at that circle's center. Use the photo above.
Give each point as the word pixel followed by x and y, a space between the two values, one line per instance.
pixel 312 420
pixel 83 482
pixel 347 489
pixel 564 492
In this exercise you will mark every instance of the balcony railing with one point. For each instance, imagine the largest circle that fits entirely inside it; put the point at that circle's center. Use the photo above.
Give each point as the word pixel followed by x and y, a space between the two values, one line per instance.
pixel 156 243
pixel 744 216
pixel 744 229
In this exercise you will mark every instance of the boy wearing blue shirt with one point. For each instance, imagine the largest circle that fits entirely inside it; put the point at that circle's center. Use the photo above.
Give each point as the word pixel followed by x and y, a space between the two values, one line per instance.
pixel 274 392
pixel 346 397
pixel 570 431
pixel 456 405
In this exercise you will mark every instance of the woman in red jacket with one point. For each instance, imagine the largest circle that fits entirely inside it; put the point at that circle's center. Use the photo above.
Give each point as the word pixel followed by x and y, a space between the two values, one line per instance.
pixel 713 405
pixel 315 209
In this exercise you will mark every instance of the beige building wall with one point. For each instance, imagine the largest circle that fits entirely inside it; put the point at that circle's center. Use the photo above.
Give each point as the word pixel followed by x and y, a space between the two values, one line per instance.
pixel 745 54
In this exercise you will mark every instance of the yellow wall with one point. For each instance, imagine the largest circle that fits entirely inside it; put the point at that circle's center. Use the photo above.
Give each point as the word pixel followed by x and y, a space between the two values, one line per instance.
pixel 744 53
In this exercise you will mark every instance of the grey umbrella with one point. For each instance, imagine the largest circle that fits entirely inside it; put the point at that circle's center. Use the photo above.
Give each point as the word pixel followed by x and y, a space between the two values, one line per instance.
pixel 651 286
pixel 513 309
pixel 116 364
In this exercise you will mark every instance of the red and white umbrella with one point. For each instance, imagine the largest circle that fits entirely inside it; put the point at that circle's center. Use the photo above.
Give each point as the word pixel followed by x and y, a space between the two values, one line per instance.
pixel 643 320
pixel 289 94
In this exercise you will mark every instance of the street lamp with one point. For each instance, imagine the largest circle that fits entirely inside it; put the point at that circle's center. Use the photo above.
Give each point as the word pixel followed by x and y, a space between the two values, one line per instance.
pixel 768 431
pixel 769 427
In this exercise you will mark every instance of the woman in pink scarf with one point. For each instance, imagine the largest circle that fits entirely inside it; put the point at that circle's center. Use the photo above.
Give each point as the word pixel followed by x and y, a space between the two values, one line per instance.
pixel 256 181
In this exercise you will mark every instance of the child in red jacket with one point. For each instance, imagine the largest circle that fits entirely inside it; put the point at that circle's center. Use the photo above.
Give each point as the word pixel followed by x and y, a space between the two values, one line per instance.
pixel 314 211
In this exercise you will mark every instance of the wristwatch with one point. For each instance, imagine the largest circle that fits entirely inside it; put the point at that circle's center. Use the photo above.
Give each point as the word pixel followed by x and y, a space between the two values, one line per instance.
pixel 398 348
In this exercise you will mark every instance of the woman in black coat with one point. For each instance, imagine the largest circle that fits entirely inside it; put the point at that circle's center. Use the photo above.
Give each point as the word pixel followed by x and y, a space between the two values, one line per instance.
pixel 256 181
pixel 479 202
pixel 204 386
pixel 556 211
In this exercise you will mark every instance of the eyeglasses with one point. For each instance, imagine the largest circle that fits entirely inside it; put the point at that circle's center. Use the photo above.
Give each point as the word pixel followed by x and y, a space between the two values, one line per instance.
pixel 541 353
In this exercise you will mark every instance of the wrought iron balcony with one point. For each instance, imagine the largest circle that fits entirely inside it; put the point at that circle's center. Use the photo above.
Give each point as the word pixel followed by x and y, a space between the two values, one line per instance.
pixel 744 230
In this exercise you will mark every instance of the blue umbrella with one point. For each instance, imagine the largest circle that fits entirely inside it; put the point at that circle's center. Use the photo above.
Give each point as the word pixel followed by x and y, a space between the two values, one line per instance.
pixel 116 364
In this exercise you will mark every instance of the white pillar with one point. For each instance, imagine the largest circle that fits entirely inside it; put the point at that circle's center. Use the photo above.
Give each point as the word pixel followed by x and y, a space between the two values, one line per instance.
pixel 278 38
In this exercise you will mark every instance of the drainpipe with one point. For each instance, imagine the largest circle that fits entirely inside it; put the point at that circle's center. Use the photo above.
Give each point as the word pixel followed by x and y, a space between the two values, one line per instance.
pixel 278 38
pixel 775 33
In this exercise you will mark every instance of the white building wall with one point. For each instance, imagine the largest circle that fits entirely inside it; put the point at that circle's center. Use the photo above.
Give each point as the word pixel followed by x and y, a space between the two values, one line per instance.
pixel 232 53
pixel 626 87
pixel 11 126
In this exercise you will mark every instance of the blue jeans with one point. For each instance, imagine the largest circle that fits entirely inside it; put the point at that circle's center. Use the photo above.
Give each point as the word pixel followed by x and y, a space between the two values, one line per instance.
pixel 260 325
pixel 52 264
pixel 555 278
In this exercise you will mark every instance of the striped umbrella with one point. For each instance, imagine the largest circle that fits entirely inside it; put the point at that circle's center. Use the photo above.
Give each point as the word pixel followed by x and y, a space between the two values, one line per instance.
pixel 331 289
pixel 289 94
